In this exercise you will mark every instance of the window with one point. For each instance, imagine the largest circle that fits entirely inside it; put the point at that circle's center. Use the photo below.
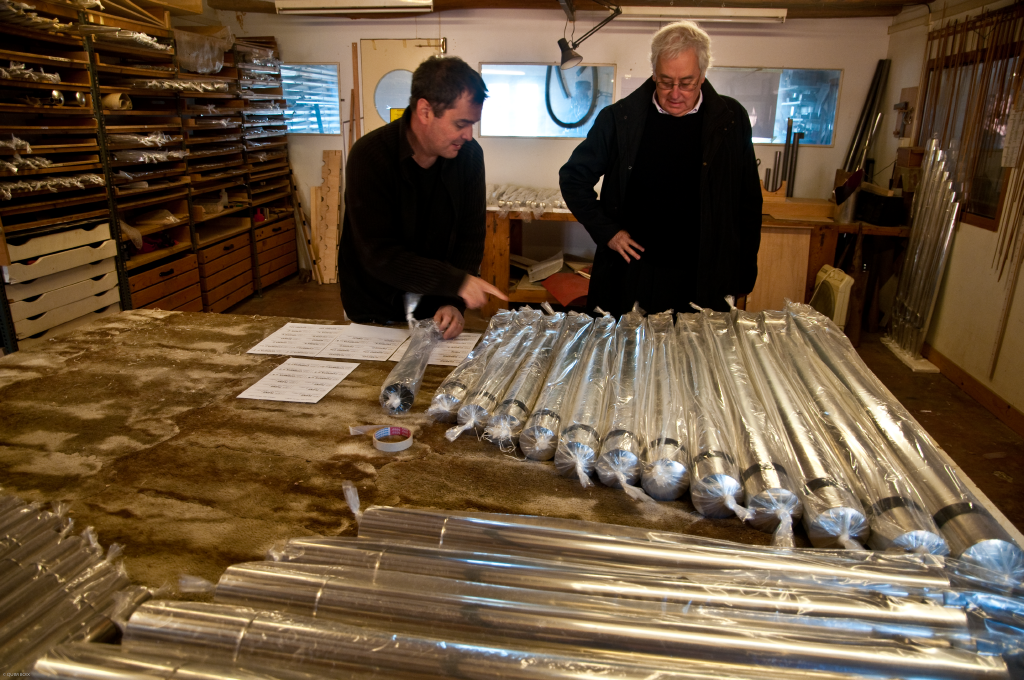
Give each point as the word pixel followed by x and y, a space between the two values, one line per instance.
pixel 541 100
pixel 313 104
pixel 773 95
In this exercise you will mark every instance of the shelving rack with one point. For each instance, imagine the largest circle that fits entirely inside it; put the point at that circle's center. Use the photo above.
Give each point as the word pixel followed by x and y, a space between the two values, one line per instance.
pixel 182 200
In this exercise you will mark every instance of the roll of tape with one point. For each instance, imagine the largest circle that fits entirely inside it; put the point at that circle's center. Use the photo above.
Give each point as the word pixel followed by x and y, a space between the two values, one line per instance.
pixel 381 432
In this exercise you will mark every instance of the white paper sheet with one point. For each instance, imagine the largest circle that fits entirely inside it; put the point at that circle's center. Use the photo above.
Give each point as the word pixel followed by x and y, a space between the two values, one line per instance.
pixel 305 381
pixel 366 343
pixel 298 339
pixel 448 352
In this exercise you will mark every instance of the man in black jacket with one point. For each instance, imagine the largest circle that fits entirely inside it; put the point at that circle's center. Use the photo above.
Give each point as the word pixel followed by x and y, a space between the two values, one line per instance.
pixel 415 203
pixel 679 216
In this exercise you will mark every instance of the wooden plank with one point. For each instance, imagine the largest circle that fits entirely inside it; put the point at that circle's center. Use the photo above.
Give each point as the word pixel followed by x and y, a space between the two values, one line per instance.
pixel 221 263
pixel 193 305
pixel 282 239
pixel 781 268
pixel 494 266
pixel 165 289
pixel 822 251
pixel 211 253
pixel 144 280
pixel 232 299
pixel 223 290
pixel 275 228
pixel 223 276
pixel 278 274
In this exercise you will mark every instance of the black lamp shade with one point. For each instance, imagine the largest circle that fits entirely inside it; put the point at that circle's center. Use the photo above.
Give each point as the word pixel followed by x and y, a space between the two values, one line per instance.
pixel 569 56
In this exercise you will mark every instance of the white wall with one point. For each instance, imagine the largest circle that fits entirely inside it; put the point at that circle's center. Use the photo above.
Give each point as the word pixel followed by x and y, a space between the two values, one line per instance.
pixel 854 45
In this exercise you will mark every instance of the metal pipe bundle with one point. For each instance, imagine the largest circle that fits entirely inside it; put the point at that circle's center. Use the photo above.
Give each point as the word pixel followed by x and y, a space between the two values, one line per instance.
pixel 444 406
pixel 833 517
pixel 619 463
pixel 932 227
pixel 761 451
pixel 971 532
pixel 511 414
pixel 666 460
pixel 402 384
pixel 895 510
pixel 580 440
pixel 467 611
pixel 550 538
pixel 477 407
pixel 247 637
pixel 715 489
pixel 846 610
pixel 539 438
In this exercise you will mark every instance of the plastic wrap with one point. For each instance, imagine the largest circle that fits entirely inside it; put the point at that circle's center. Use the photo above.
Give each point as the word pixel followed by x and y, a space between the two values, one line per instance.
pixel 539 438
pixel 715 489
pixel 444 406
pixel 468 611
pixel 477 407
pixel 580 439
pixel 17 71
pixel 509 417
pixel 761 451
pixel 895 510
pixel 152 139
pixel 200 53
pixel 833 517
pixel 139 156
pixel 857 612
pixel 400 388
pixel 133 39
pixel 621 449
pixel 971 532
pixel 55 183
pixel 666 460
pixel 663 555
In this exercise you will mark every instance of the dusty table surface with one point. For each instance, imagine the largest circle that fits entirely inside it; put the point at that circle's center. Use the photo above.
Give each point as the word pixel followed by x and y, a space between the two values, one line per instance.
pixel 134 421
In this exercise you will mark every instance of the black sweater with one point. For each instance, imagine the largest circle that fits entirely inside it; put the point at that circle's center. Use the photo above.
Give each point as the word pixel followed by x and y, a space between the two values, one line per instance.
pixel 382 253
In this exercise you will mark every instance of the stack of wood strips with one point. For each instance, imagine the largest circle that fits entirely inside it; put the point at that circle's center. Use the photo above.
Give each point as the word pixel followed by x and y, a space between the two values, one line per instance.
pixel 325 217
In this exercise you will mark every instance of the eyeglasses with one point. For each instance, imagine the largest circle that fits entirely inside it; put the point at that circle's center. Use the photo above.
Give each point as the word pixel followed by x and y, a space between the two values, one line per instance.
pixel 686 85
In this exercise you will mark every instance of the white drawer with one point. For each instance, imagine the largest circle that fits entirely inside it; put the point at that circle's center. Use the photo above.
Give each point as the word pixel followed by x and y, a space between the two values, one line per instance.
pixel 24 309
pixel 20 272
pixel 56 317
pixel 42 337
pixel 44 284
pixel 52 243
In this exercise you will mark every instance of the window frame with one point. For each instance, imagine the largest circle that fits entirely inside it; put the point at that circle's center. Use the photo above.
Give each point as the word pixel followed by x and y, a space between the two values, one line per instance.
pixel 341 117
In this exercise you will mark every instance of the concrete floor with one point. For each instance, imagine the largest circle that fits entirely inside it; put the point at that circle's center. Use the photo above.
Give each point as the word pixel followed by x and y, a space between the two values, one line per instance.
pixel 986 449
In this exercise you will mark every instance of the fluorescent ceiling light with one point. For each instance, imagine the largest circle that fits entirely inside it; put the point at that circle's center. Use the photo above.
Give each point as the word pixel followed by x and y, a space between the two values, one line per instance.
pixel 715 14
pixel 499 72
pixel 352 6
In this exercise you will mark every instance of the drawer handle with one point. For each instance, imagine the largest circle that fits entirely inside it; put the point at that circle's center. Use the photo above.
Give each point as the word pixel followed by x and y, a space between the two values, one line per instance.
pixel 275 229
pixel 168 272
pixel 229 246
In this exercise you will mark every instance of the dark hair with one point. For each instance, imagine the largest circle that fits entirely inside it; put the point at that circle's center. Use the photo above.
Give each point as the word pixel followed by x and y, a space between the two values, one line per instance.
pixel 442 80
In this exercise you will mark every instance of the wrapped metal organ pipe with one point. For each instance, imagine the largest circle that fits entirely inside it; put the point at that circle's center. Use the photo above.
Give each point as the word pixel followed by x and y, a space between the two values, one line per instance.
pixel 761 451
pixel 402 384
pixel 476 409
pixel 511 414
pixel 715 489
pixel 247 637
pixel 619 463
pixel 580 441
pixel 895 510
pixel 833 517
pixel 444 407
pixel 972 533
pixel 539 438
pixel 666 459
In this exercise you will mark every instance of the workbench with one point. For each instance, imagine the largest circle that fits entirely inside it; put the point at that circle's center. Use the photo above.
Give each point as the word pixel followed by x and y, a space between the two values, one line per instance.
pixel 133 420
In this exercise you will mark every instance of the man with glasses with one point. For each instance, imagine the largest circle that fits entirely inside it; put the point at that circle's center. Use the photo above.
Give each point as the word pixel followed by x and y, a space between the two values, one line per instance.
pixel 679 216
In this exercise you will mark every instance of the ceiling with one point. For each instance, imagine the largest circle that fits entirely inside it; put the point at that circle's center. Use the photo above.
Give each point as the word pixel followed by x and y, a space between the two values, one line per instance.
pixel 796 9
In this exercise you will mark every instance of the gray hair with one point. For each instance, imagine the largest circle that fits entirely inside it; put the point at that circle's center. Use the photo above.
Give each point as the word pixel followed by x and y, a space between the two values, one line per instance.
pixel 674 39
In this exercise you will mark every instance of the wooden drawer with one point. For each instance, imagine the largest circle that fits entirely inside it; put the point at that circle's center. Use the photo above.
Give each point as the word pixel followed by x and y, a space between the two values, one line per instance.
pixel 52 243
pixel 274 253
pixel 283 239
pixel 232 298
pixel 224 275
pixel 275 228
pixel 53 299
pixel 214 294
pixel 44 284
pixel 179 298
pixel 20 272
pixel 65 313
pixel 191 306
pixel 44 336
pixel 230 259
pixel 278 274
pixel 152 277
pixel 267 268
pixel 148 297
pixel 219 250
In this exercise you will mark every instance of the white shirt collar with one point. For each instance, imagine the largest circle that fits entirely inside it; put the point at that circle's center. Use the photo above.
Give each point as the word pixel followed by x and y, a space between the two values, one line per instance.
pixel 700 99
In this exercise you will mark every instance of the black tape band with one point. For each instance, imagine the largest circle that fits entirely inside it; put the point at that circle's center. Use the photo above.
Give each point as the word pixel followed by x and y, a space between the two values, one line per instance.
pixel 585 428
pixel 455 383
pixel 516 402
pixel 664 440
pixel 893 502
pixel 950 511
pixel 549 413
pixel 821 483
pixel 711 454
pixel 762 467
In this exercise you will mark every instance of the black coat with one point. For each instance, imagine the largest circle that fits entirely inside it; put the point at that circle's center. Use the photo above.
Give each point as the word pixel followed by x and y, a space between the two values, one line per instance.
pixel 730 209
pixel 378 261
